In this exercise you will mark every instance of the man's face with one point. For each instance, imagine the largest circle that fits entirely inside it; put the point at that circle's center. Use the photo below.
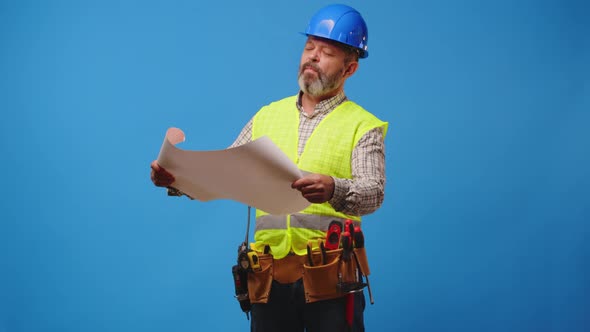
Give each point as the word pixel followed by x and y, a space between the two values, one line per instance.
pixel 322 68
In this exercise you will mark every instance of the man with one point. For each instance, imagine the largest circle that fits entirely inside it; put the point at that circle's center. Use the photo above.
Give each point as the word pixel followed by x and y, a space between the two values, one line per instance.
pixel 341 146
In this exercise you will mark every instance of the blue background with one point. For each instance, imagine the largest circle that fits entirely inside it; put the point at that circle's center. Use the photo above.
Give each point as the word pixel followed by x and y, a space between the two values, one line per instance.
pixel 485 222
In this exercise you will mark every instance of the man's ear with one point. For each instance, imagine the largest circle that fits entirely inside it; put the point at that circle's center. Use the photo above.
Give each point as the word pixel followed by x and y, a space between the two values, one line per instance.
pixel 351 69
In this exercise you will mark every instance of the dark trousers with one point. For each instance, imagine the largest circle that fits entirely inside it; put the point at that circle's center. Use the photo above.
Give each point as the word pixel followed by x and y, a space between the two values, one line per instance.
pixel 286 311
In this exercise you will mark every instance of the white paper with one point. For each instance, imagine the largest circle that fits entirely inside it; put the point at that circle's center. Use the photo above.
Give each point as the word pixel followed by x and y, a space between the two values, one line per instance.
pixel 258 174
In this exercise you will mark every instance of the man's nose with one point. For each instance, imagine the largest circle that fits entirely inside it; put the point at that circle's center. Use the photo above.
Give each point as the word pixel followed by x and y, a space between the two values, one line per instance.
pixel 314 56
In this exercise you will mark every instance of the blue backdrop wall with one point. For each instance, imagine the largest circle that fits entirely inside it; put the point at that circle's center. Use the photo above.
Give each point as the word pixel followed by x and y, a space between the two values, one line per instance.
pixel 485 222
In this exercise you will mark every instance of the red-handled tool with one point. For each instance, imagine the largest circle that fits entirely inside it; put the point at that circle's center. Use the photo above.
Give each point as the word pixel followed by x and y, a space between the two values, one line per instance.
pixel 359 238
pixel 349 226
pixel 346 244
pixel 333 235
pixel 349 310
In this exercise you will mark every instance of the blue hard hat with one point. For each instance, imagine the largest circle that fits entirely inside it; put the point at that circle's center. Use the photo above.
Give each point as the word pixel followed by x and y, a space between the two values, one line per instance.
pixel 340 23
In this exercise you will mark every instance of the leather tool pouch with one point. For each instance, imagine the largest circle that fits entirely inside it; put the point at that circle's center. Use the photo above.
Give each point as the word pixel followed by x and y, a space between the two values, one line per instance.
pixel 336 276
pixel 322 281
pixel 259 282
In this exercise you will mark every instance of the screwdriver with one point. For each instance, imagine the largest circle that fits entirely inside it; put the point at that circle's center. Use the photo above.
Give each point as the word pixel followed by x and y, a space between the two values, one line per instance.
pixel 323 252
pixel 309 255
pixel 346 244
pixel 349 226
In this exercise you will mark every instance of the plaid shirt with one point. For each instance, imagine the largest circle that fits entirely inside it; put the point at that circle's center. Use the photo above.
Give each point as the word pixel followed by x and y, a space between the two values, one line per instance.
pixel 363 194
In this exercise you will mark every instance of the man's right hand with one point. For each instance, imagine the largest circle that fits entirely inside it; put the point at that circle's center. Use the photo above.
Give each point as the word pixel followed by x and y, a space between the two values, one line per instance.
pixel 160 176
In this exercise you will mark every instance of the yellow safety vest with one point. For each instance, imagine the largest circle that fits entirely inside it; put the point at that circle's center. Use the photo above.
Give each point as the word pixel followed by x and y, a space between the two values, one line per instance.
pixel 327 151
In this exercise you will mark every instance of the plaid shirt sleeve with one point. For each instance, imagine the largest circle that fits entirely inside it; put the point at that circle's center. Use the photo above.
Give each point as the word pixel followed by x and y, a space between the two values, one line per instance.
pixel 245 135
pixel 364 193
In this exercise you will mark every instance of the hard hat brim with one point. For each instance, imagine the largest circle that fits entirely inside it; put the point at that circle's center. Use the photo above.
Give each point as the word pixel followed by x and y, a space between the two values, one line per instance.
pixel 362 53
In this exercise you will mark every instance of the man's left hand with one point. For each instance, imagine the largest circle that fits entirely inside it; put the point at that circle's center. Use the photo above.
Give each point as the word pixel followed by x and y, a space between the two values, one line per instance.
pixel 316 188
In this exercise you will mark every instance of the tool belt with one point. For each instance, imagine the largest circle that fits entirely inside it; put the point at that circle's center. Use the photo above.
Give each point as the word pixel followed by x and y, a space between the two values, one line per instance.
pixel 330 276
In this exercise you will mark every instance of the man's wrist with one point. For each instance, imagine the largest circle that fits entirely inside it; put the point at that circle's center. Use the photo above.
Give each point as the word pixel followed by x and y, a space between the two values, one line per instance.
pixel 341 188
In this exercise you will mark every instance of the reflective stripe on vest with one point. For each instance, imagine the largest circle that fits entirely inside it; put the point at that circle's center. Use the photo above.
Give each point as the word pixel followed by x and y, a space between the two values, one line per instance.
pixel 291 233
pixel 300 220
pixel 327 151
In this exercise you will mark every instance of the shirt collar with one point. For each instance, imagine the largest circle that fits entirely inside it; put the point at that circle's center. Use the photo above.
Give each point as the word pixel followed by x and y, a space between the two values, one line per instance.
pixel 325 106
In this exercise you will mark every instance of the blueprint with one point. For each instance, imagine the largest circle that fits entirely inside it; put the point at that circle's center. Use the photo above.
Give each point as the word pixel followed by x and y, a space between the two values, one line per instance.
pixel 258 174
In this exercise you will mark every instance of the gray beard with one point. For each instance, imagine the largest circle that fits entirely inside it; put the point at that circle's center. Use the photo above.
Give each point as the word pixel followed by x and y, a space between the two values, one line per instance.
pixel 317 87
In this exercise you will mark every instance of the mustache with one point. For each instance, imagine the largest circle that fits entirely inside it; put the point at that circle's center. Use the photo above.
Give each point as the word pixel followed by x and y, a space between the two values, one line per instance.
pixel 310 65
